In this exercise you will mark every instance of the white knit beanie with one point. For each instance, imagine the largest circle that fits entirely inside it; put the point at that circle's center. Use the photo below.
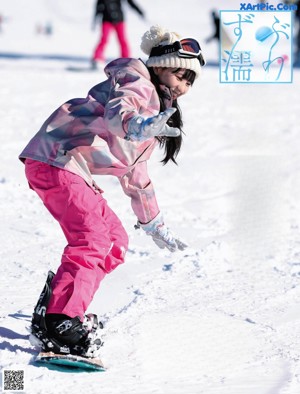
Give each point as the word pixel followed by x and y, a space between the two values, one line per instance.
pixel 158 35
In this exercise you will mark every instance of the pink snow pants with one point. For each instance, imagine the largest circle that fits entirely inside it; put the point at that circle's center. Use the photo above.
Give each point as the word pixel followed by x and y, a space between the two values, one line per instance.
pixel 107 28
pixel 97 241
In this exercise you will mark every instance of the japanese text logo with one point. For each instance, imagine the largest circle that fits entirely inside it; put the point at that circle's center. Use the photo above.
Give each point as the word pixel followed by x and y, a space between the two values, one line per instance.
pixel 256 47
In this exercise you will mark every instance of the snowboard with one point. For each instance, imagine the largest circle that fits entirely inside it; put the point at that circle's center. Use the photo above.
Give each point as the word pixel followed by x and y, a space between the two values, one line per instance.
pixel 70 361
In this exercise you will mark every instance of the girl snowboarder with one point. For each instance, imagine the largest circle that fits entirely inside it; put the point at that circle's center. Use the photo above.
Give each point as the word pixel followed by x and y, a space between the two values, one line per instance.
pixel 114 130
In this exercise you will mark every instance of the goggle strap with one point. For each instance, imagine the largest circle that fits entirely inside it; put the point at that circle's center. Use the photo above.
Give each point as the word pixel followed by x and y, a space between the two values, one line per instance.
pixel 177 47
pixel 165 49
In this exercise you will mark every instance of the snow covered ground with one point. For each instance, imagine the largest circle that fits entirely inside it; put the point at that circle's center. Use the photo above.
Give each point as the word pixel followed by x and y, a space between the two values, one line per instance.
pixel 222 317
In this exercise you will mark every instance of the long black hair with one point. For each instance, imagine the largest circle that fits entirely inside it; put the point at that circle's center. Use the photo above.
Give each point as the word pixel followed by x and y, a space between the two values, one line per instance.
pixel 171 145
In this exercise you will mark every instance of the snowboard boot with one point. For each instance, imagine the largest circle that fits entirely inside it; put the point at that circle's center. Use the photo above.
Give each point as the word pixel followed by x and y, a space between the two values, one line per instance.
pixel 67 335
pixel 94 327
pixel 38 323
pixel 59 333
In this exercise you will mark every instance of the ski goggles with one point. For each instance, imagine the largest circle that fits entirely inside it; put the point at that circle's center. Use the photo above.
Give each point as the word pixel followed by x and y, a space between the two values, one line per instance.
pixel 186 47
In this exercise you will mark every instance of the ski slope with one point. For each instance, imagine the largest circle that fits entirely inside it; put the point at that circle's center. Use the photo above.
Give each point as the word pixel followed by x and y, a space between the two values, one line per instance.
pixel 221 317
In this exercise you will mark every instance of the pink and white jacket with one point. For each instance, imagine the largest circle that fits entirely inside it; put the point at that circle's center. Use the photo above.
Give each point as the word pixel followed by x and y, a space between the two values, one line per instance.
pixel 86 135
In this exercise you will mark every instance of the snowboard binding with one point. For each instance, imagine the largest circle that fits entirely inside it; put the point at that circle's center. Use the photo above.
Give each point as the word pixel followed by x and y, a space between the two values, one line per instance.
pixel 66 335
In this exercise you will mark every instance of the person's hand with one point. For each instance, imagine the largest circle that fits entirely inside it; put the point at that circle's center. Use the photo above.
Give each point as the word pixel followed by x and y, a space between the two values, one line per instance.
pixel 141 129
pixel 161 235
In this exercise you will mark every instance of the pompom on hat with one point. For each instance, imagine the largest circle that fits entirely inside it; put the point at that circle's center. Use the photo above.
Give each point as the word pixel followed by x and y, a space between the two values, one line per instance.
pixel 159 36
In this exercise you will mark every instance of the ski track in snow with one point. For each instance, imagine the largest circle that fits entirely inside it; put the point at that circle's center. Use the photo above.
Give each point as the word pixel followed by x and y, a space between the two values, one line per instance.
pixel 221 317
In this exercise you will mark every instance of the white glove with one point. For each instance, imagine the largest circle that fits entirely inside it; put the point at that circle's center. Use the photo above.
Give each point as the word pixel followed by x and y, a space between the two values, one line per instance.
pixel 141 129
pixel 161 235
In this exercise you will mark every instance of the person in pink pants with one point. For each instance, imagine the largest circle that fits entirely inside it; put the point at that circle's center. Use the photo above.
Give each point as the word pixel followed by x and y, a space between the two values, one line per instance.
pixel 112 131
pixel 107 28
pixel 112 16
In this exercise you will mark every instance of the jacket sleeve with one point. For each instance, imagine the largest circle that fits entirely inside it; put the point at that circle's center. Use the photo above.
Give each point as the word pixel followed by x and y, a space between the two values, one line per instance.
pixel 99 9
pixel 137 185
pixel 131 95
pixel 136 8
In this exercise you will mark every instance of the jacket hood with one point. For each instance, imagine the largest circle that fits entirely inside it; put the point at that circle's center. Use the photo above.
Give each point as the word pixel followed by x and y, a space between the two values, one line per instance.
pixel 121 64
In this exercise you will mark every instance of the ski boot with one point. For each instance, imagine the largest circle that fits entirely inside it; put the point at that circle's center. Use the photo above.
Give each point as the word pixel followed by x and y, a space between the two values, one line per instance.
pixel 61 334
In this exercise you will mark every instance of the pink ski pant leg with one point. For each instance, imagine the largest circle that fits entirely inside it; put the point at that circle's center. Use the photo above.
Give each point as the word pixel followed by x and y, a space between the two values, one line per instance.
pixel 106 29
pixel 97 241
pixel 120 28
